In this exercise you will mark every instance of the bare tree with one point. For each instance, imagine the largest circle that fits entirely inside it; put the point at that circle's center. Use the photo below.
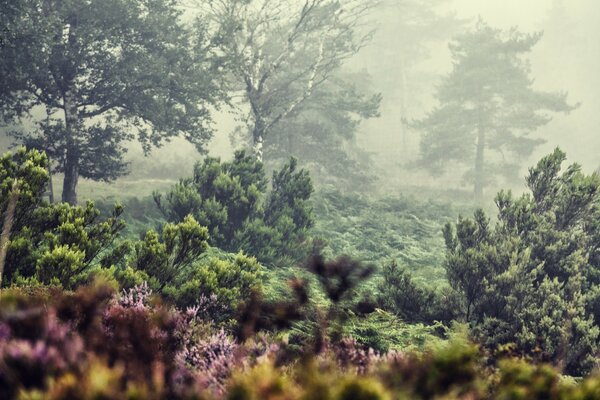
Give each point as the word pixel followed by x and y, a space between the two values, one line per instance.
pixel 279 52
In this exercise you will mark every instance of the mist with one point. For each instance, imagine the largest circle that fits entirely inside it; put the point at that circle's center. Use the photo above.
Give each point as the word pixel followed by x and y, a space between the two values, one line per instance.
pixel 268 199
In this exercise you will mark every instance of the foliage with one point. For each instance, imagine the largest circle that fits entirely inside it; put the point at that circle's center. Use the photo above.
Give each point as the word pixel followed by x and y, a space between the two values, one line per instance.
pixel 279 54
pixel 230 199
pixel 163 256
pixel 399 293
pixel 102 72
pixel 231 282
pixel 528 281
pixel 52 243
pixel 376 231
pixel 95 344
pixel 487 99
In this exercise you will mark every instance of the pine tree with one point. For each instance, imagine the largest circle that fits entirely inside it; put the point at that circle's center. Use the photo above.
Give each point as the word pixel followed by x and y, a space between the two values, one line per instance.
pixel 529 281
pixel 487 103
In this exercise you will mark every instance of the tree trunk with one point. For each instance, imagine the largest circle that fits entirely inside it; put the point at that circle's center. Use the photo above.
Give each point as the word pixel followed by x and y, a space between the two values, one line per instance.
pixel 50 184
pixel 50 187
pixel 479 165
pixel 69 194
pixel 71 166
pixel 258 140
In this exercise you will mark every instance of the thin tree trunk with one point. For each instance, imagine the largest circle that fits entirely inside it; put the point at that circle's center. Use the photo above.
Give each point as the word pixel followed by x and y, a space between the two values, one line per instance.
pixel 9 218
pixel 71 167
pixel 258 140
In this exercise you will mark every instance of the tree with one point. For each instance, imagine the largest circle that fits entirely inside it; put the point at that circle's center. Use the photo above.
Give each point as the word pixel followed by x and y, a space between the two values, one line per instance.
pixel 101 71
pixel 321 132
pixel 487 102
pixel 531 280
pixel 280 53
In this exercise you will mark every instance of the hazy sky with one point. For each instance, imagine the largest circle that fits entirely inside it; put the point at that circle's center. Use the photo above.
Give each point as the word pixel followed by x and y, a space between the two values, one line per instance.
pixel 567 58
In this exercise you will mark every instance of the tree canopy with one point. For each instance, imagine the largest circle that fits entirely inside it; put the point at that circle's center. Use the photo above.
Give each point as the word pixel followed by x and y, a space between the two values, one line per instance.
pixel 487 103
pixel 279 53
pixel 102 72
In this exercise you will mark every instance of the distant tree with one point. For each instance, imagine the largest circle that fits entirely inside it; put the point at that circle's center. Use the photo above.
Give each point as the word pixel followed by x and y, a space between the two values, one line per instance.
pixel 101 71
pixel 281 52
pixel 408 33
pixel 487 102
pixel 321 132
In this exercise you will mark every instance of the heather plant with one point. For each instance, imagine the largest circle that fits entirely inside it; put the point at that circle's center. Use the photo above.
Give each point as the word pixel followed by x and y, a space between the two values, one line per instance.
pixel 93 343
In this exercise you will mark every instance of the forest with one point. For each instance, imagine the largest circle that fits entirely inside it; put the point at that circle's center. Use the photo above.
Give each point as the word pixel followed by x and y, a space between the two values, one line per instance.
pixel 299 199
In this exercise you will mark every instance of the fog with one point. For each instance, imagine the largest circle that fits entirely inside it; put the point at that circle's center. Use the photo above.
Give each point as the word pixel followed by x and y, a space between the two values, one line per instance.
pixel 566 58
pixel 407 59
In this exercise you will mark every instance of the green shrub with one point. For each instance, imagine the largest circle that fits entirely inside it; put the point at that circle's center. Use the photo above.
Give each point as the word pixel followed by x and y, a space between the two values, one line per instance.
pixel 528 280
pixel 230 198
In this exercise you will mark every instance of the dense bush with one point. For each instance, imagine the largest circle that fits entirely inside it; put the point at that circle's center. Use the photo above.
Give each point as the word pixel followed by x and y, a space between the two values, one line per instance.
pixel 55 244
pixel 529 281
pixel 179 264
pixel 398 292
pixel 94 344
pixel 230 198
pixel 67 246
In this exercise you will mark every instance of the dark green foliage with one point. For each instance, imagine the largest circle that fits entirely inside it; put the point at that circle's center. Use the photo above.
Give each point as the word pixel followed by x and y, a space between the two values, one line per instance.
pixel 529 279
pixel 487 99
pixel 230 199
pixel 104 72
pixel 54 244
pixel 399 293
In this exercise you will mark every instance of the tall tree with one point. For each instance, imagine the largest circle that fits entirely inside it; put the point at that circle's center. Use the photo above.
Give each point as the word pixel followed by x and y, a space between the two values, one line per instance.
pixel 280 52
pixel 103 72
pixel 487 102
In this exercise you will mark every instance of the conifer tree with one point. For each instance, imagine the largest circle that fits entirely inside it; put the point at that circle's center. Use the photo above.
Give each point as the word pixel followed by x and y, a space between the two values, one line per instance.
pixel 529 281
pixel 487 104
